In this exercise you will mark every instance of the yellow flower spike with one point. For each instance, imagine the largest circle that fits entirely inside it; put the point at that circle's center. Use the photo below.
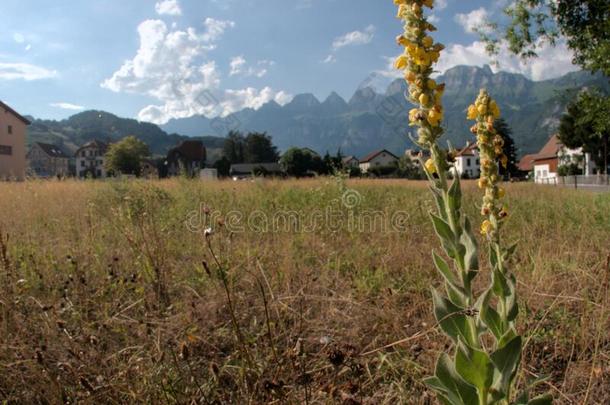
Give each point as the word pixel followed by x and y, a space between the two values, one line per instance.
pixel 424 99
pixel 430 166
pixel 486 228
pixel 401 62
pixel 472 112
pixel 482 109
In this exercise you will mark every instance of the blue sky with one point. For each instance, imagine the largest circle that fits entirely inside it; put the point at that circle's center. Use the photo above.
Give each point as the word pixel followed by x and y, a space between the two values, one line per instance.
pixel 158 59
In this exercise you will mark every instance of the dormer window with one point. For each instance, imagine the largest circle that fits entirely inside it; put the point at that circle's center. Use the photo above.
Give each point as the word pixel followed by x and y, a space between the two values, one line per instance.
pixel 10 129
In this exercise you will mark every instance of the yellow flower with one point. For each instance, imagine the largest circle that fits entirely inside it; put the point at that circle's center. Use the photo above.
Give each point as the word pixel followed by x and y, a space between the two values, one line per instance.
pixel 486 227
pixel 423 99
pixel 431 84
pixel 501 192
pixel 482 183
pixel 401 62
pixel 504 161
pixel 430 166
pixel 472 112
pixel 482 109
pixel 428 41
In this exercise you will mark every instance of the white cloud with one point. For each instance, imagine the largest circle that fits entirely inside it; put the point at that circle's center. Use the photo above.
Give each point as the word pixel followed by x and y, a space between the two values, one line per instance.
pixel 24 71
pixel 330 59
pixel 19 38
pixel 440 4
pixel 172 67
pixel 476 19
pixel 552 62
pixel 433 19
pixel 355 38
pixel 239 67
pixel 168 7
pixel 215 28
pixel 67 106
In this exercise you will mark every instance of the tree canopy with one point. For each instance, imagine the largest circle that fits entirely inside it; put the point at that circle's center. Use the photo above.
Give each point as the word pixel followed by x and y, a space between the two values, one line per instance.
pixel 509 148
pixel 256 147
pixel 584 24
pixel 126 156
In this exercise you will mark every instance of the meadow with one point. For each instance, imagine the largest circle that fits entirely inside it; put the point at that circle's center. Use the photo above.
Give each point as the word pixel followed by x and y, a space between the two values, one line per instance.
pixel 180 291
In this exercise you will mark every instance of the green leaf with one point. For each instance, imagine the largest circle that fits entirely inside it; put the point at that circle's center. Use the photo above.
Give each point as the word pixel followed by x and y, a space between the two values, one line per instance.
pixel 455 195
pixel 506 361
pixel 443 268
pixel 545 399
pixel 445 234
pixel 499 283
pixel 451 318
pixel 489 315
pixel 510 251
pixel 508 336
pixel 440 204
pixel 522 399
pixel 439 389
pixel 450 384
pixel 471 256
pixel 474 366
pixel 511 301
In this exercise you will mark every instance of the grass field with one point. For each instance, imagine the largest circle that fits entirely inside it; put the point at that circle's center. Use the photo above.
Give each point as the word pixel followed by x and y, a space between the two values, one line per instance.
pixel 111 292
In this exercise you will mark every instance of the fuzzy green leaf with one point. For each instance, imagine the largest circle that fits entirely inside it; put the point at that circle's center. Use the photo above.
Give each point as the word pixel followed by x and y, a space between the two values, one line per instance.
pixel 451 318
pixel 445 270
pixel 506 361
pixel 445 234
pixel 471 256
pixel 474 366
pixel 455 195
pixel 489 316
pixel 448 382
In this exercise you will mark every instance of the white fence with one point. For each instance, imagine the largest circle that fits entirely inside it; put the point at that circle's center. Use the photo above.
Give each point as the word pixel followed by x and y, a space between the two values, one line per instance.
pixel 596 181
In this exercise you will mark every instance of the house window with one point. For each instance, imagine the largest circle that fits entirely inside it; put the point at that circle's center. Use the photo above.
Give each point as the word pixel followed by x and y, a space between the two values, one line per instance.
pixel 10 129
pixel 468 162
pixel 82 163
pixel 99 173
pixel 478 162
pixel 6 150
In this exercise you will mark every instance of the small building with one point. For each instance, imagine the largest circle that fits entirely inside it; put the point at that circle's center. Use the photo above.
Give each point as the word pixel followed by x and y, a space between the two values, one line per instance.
pixel 380 158
pixel 551 157
pixel 208 174
pixel 351 162
pixel 526 164
pixel 46 160
pixel 187 158
pixel 246 170
pixel 90 160
pixel 13 130
pixel 468 162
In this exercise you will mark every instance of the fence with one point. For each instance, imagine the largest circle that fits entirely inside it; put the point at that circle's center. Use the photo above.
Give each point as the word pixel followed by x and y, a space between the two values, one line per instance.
pixel 601 181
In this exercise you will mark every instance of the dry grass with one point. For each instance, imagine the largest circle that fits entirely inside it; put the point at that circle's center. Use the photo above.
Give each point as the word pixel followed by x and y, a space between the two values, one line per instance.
pixel 108 298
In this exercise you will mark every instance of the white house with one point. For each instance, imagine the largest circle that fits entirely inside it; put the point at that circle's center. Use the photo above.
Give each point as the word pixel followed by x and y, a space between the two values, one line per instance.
pixel 467 161
pixel 90 160
pixel 379 158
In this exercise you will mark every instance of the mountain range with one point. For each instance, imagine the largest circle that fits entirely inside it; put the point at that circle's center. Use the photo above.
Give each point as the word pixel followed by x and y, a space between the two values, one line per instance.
pixel 373 118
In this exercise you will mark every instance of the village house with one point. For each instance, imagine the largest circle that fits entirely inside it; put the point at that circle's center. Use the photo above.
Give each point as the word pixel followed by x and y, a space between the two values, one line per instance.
pixel 380 158
pixel 351 162
pixel 90 160
pixel 13 128
pixel 467 161
pixel 247 170
pixel 546 163
pixel 187 158
pixel 46 160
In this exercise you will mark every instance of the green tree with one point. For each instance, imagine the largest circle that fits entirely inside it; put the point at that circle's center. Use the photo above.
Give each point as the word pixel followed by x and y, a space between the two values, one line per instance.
pixel 223 165
pixel 409 169
pixel 259 148
pixel 586 124
pixel 234 147
pixel 126 156
pixel 299 162
pixel 510 150
pixel 584 24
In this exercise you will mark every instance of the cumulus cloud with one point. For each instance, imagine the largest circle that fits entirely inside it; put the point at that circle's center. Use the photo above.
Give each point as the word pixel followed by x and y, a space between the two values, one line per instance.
pixel 67 106
pixel 474 20
pixel 354 38
pixel 239 67
pixel 552 62
pixel 172 66
pixel 168 7
pixel 24 71
pixel 330 59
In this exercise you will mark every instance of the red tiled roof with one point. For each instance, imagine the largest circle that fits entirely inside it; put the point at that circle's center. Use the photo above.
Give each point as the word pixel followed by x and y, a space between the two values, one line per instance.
pixel 468 150
pixel 373 155
pixel 550 150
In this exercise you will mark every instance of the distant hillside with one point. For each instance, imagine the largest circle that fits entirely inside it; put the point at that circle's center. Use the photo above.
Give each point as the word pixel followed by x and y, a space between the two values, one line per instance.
pixel 372 120
pixel 83 127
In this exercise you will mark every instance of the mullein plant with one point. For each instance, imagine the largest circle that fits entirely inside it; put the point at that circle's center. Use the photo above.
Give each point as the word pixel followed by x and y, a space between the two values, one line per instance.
pixel 486 351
